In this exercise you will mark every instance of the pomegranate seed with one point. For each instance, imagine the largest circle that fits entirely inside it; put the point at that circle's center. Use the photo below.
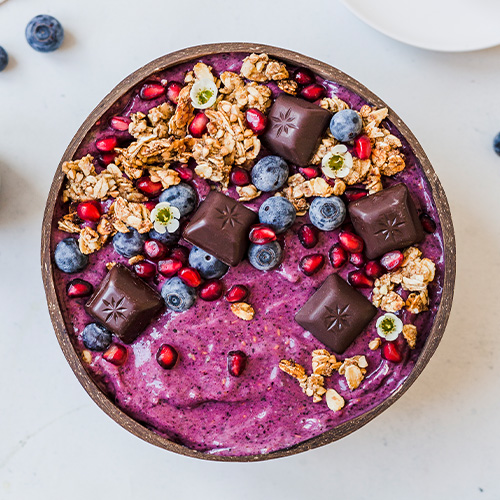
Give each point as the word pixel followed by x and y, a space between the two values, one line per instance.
pixel 148 187
pixel 185 173
pixel 116 355
pixel 190 276
pixel 303 76
pixel 79 288
pixel 119 123
pixel 173 91
pixel 169 267
pixel 151 91
pixel 236 363
pixel 237 293
pixel 362 147
pixel 211 290
pixel 374 269
pixel 391 352
pixel 355 194
pixel 240 177
pixel 261 234
pixel 309 172
pixel 198 125
pixel 180 253
pixel 256 120
pixel 308 235
pixel 145 269
pixel 427 223
pixel 360 280
pixel 106 158
pixel 149 205
pixel 155 249
pixel 89 211
pixel 311 264
pixel 167 356
pixel 107 144
pixel 351 242
pixel 392 260
pixel 357 259
pixel 313 92
pixel 338 256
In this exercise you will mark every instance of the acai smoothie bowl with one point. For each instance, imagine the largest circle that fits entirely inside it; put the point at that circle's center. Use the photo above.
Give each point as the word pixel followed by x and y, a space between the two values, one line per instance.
pixel 246 254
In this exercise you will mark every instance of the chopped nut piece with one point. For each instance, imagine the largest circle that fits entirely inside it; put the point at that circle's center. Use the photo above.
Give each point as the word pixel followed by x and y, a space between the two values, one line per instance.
pixel 243 310
pixel 293 369
pixel 375 344
pixel 247 193
pixel 135 259
pixel 288 86
pixel 354 370
pixel 334 400
pixel 410 334
pixel 87 356
pixel 110 265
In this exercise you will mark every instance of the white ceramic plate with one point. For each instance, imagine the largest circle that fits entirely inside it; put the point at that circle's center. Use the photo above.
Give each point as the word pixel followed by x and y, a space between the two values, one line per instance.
pixel 447 25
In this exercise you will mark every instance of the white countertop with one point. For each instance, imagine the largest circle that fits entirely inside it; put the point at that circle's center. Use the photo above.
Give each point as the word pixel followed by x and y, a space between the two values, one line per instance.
pixel 440 440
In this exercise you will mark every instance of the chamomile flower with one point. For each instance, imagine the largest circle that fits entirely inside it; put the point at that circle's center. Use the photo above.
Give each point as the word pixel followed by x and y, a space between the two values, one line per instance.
pixel 165 217
pixel 337 163
pixel 389 326
pixel 203 93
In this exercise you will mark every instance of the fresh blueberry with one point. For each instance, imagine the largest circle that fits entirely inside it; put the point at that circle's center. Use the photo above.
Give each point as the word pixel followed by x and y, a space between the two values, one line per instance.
pixel 129 244
pixel 95 337
pixel 44 33
pixel 269 173
pixel 166 237
pixel 4 59
pixel 182 196
pixel 68 257
pixel 346 125
pixel 327 214
pixel 496 144
pixel 265 257
pixel 278 213
pixel 177 295
pixel 207 265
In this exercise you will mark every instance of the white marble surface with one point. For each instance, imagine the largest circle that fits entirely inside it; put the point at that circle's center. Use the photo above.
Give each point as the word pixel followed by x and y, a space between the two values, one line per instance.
pixel 440 440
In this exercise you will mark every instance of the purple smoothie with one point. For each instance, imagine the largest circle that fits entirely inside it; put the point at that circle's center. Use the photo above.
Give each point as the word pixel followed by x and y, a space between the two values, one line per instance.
pixel 198 404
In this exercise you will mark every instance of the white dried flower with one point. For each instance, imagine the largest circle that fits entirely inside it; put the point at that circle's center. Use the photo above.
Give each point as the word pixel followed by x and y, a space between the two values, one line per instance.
pixel 203 93
pixel 389 326
pixel 165 217
pixel 337 163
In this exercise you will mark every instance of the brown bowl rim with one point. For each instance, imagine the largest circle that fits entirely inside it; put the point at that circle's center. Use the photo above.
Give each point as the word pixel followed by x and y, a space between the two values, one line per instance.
pixel 330 73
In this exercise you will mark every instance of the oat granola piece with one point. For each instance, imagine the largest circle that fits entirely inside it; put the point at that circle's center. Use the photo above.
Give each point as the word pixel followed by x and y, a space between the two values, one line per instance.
pixel 110 265
pixel 410 334
pixel 392 302
pixel 135 259
pixel 259 68
pixel 354 370
pixel 325 146
pixel 130 214
pixel 247 193
pixel 90 241
pixel 288 86
pixel 293 369
pixel 333 104
pixel 314 386
pixel 166 176
pixel 184 113
pixel 334 400
pixel 418 302
pixel 244 95
pixel 375 344
pixel 324 363
pixel 69 223
pixel 243 310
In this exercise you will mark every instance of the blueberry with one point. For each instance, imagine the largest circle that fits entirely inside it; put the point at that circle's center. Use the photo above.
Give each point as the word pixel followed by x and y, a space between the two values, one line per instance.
pixel 4 59
pixel 44 33
pixel 327 214
pixel 68 257
pixel 129 244
pixel 166 237
pixel 182 196
pixel 269 173
pixel 177 295
pixel 496 144
pixel 278 213
pixel 95 337
pixel 346 125
pixel 265 257
pixel 207 265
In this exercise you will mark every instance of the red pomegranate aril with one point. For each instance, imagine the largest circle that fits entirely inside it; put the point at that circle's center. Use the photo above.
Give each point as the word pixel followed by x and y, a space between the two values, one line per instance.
pixel 392 260
pixel 151 91
pixel 180 253
pixel 313 92
pixel 167 356
pixel 260 234
pixel 155 249
pixel 79 288
pixel 116 355
pixel 427 223
pixel 391 352
pixel 89 211
pixel 119 123
pixel 359 279
pixel 256 121
pixel 190 276
pixel 150 205
pixel 311 264
pixel 145 269
pixel 148 187
pixel 211 290
pixel 338 256
pixel 106 158
pixel 236 363
pixel 240 177
pixel 357 259
pixel 303 76
pixel 309 172
pixel 169 267
pixel 374 269
pixel 237 293
pixel 198 125
pixel 362 147
pixel 107 144
pixel 185 173
pixel 355 194
pixel 308 235
pixel 351 242
pixel 173 91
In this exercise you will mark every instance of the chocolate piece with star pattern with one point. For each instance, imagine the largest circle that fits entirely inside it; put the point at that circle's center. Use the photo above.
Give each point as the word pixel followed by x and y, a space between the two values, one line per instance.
pixel 220 226
pixel 386 220
pixel 336 314
pixel 124 303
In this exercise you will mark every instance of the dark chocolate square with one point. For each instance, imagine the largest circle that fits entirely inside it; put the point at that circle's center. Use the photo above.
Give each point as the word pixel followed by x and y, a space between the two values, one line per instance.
pixel 336 314
pixel 220 226
pixel 386 220
pixel 295 128
pixel 124 303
